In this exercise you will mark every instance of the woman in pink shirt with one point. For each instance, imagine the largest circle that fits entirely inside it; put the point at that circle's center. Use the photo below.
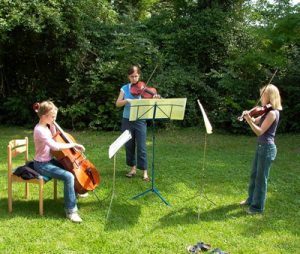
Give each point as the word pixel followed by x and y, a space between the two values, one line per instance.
pixel 45 165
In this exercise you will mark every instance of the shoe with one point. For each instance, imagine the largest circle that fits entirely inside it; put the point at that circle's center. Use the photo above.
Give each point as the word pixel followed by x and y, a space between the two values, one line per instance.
pixel 131 174
pixel 85 195
pixel 199 247
pixel 146 179
pixel 252 212
pixel 218 251
pixel 74 217
pixel 203 246
pixel 244 203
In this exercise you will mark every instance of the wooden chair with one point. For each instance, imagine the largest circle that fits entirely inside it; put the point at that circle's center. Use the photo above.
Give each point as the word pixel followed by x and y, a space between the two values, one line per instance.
pixel 20 147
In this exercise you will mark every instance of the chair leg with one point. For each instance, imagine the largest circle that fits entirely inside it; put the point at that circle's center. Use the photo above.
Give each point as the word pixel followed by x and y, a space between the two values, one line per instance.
pixel 27 190
pixel 9 195
pixel 55 188
pixel 41 192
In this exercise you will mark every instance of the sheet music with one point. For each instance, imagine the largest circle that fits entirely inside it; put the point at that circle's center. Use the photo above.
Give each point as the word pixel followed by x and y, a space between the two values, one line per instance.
pixel 119 142
pixel 172 109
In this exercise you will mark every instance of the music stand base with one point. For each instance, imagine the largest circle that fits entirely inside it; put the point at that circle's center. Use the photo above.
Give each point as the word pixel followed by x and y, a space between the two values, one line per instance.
pixel 152 190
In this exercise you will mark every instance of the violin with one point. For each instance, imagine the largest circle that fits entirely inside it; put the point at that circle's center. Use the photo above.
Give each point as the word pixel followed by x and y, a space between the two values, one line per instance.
pixel 141 89
pixel 86 175
pixel 257 111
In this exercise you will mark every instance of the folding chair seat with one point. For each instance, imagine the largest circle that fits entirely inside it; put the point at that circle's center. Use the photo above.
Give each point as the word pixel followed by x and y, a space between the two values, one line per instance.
pixel 15 149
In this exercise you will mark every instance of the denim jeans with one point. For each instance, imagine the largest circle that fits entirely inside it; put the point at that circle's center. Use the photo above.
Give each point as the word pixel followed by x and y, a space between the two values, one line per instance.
pixel 257 191
pixel 55 170
pixel 137 144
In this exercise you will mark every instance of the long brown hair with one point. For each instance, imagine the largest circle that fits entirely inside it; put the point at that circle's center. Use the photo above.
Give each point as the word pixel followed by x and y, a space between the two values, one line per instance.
pixel 134 68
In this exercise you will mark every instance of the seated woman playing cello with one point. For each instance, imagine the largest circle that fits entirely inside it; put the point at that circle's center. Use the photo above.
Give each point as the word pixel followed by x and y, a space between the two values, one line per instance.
pixel 45 165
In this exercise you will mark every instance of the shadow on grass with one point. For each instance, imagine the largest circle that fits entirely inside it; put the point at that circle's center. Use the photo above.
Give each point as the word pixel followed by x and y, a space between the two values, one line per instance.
pixel 30 209
pixel 277 219
pixel 223 213
pixel 194 215
pixel 115 220
pixel 121 215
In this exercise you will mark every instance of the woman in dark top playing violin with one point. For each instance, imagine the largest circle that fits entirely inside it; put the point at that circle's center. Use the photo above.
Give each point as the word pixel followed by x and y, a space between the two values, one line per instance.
pixel 264 127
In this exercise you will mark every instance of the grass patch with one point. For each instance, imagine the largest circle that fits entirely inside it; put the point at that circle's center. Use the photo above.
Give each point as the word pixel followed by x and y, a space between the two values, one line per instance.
pixel 146 224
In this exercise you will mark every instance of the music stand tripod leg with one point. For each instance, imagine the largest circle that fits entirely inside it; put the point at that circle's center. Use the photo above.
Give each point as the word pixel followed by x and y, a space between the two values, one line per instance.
pixel 158 194
pixel 141 194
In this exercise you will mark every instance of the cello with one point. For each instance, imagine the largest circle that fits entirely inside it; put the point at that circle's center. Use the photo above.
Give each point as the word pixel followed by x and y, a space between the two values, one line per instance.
pixel 86 175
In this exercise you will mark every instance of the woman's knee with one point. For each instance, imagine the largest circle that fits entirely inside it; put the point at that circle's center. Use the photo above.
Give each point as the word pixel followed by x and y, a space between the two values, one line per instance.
pixel 69 177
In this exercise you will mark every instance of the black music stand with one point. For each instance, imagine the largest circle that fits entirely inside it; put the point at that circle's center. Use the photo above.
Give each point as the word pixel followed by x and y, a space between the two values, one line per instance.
pixel 156 109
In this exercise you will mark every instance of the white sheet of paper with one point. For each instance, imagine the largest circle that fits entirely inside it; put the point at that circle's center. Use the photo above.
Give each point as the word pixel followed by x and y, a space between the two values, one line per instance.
pixel 118 143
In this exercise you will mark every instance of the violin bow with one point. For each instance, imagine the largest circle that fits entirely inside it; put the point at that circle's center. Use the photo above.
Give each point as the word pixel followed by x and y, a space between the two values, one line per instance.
pixel 240 118
pixel 151 74
pixel 266 86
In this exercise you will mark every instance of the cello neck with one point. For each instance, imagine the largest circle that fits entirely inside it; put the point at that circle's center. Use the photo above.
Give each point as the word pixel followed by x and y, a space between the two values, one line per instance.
pixel 63 134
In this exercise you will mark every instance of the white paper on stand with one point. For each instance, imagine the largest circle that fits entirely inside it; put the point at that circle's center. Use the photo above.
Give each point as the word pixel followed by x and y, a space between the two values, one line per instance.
pixel 119 142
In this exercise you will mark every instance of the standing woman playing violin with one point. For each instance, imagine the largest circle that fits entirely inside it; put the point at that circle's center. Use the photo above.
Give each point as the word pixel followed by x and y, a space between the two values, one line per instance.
pixel 45 165
pixel 136 151
pixel 265 128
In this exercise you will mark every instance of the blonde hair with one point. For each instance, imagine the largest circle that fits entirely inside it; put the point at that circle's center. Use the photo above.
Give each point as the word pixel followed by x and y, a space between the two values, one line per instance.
pixel 45 107
pixel 273 95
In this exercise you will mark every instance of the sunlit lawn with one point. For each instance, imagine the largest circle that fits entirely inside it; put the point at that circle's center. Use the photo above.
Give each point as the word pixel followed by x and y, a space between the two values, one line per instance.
pixel 204 200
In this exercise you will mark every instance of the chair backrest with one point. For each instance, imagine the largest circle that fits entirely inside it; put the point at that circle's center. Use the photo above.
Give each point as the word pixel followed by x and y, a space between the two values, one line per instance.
pixel 14 148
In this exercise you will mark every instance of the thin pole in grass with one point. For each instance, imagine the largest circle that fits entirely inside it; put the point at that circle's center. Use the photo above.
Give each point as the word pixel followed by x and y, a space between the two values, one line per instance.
pixel 208 128
pixel 113 188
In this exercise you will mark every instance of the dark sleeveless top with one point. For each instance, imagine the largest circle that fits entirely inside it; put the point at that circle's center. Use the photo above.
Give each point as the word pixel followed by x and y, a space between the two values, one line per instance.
pixel 269 136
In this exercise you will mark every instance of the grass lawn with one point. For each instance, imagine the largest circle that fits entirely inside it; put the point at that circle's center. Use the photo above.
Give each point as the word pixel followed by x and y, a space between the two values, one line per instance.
pixel 204 200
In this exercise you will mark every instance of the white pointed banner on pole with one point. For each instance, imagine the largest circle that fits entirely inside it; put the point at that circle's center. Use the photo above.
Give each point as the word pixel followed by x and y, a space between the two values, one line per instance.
pixel 205 118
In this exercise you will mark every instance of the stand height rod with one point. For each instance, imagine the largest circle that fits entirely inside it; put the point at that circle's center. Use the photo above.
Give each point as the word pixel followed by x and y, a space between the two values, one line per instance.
pixel 153 189
pixel 153 143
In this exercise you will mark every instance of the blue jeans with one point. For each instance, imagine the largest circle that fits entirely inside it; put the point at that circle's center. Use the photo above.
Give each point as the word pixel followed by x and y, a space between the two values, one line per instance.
pixel 138 131
pixel 55 170
pixel 257 191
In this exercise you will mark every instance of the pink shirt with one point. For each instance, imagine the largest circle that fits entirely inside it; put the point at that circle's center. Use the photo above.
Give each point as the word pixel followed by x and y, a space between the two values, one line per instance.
pixel 44 143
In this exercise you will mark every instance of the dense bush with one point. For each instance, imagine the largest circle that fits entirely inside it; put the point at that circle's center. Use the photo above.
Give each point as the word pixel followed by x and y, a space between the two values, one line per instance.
pixel 78 52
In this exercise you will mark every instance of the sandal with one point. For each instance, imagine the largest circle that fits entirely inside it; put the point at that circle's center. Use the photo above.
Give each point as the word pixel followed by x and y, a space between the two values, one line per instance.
pixel 192 249
pixel 244 203
pixel 146 179
pixel 200 246
pixel 218 251
pixel 131 174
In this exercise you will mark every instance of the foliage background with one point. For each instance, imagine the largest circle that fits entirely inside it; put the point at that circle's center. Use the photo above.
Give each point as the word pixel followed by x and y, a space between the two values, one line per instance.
pixel 77 53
